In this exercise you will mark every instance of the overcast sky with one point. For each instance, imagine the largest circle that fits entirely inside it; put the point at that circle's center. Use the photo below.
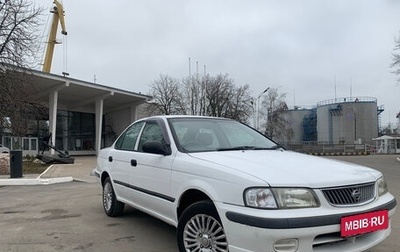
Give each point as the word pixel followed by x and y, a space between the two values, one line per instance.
pixel 305 48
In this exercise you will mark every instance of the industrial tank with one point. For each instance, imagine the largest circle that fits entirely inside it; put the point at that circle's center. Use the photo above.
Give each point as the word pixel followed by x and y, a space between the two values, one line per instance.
pixel 347 120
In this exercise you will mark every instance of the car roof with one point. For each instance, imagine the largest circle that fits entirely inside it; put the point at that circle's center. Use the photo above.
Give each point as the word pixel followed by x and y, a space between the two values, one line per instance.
pixel 185 116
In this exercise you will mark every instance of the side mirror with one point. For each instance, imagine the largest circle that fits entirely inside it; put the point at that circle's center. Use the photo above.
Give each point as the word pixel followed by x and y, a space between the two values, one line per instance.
pixel 156 148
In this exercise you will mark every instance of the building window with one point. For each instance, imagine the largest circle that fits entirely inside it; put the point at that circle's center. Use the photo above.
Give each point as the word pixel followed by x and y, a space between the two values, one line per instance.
pixel 75 131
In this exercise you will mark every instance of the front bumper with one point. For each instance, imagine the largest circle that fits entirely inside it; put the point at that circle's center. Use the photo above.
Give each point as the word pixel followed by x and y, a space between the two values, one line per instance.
pixel 299 222
pixel 95 173
pixel 258 230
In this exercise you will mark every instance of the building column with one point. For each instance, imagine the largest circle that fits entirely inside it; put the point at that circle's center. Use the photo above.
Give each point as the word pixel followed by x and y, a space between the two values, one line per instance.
pixel 133 113
pixel 53 100
pixel 99 123
pixel 53 103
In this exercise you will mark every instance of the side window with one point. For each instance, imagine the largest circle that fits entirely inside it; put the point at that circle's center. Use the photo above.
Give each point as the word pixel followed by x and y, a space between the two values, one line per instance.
pixel 151 132
pixel 128 139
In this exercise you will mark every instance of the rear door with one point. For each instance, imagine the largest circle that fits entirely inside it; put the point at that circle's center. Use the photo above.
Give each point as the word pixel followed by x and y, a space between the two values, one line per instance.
pixel 120 159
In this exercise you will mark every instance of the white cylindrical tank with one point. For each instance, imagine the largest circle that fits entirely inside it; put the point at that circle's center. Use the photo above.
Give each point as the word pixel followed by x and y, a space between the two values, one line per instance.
pixel 347 120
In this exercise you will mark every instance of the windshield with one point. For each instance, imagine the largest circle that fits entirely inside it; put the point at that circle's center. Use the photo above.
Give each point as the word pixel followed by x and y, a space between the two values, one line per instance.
pixel 216 134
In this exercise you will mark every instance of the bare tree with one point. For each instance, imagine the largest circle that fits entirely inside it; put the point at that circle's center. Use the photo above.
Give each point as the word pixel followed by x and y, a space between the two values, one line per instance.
pixel 18 105
pixel 166 95
pixel 19 39
pixel 19 27
pixel 273 111
pixel 193 93
pixel 240 104
pixel 211 96
pixel 396 58
pixel 219 92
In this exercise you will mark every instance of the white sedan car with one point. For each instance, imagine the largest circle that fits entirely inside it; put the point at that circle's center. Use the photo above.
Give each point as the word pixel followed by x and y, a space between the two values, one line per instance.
pixel 4 149
pixel 227 187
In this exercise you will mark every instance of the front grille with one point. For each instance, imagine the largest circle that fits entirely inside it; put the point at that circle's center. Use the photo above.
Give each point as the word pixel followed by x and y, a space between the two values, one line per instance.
pixel 350 195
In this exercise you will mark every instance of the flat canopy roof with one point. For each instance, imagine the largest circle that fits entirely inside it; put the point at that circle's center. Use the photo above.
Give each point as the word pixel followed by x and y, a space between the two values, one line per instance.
pixel 77 95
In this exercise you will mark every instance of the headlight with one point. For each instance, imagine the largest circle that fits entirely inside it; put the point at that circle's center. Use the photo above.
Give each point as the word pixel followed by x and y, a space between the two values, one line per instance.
pixel 382 186
pixel 260 198
pixel 286 198
pixel 295 198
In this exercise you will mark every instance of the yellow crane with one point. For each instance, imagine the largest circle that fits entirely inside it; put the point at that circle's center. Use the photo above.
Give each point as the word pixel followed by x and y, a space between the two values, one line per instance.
pixel 58 17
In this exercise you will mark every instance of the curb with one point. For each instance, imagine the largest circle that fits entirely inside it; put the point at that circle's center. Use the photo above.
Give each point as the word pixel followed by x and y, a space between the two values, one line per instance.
pixel 35 181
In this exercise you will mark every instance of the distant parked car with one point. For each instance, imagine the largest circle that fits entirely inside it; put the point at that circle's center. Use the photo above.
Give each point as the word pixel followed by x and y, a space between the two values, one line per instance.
pixel 4 149
pixel 227 187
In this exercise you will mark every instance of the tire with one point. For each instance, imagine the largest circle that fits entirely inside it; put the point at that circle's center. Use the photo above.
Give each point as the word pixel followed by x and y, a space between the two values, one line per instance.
pixel 200 229
pixel 112 207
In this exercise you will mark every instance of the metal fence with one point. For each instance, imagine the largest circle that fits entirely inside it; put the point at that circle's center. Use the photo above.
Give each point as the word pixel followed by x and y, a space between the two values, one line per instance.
pixel 331 149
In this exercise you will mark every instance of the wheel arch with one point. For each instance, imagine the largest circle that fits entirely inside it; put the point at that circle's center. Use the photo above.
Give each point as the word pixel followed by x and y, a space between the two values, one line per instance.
pixel 190 197
pixel 103 177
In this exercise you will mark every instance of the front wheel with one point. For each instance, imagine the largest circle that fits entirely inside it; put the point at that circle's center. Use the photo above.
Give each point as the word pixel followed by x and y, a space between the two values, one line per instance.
pixel 111 205
pixel 200 229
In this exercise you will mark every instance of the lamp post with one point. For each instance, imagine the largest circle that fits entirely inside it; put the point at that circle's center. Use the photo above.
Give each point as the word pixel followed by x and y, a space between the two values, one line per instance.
pixel 258 107
pixel 253 110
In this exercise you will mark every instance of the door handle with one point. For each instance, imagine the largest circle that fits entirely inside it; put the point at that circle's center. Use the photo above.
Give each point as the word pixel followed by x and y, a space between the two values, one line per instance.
pixel 110 159
pixel 133 162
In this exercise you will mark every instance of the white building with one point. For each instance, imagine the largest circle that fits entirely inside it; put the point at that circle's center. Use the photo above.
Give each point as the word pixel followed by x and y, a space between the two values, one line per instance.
pixel 387 144
pixel 83 117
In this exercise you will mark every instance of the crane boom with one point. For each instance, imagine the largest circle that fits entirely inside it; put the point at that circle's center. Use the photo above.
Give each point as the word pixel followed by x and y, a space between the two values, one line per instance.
pixel 58 17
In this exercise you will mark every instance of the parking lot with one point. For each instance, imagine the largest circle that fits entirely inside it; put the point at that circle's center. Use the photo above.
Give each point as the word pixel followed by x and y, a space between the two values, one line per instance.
pixel 69 217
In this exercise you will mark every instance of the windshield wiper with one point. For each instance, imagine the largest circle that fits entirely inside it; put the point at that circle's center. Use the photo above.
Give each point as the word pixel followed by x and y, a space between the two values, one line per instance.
pixel 245 147
pixel 276 147
pixel 248 147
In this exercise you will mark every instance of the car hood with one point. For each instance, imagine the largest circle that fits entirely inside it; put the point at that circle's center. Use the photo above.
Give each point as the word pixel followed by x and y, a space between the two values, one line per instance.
pixel 286 168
